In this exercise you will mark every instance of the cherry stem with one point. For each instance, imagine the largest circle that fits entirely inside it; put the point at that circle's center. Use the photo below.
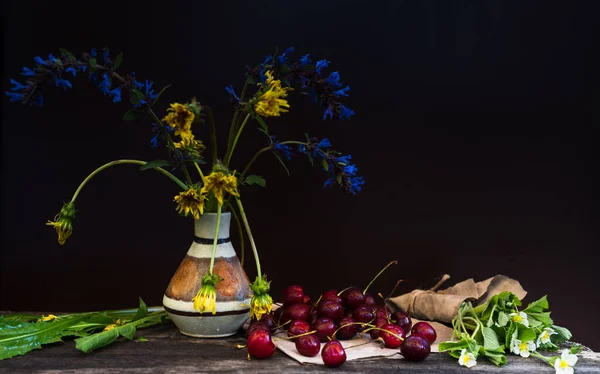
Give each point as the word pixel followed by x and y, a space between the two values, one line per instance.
pixel 295 336
pixel 348 324
pixel 345 289
pixel 316 303
pixel 359 345
pixel 380 329
pixel 378 274
pixel 445 277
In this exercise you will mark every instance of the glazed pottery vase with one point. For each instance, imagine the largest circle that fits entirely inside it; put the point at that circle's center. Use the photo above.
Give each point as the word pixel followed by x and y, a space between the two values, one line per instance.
pixel 233 289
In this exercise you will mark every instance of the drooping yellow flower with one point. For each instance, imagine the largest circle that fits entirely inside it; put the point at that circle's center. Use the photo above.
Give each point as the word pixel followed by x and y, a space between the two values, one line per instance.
pixel 189 143
pixel 261 302
pixel 272 102
pixel 49 317
pixel 205 299
pixel 63 222
pixel 110 327
pixel 218 183
pixel 180 119
pixel 191 202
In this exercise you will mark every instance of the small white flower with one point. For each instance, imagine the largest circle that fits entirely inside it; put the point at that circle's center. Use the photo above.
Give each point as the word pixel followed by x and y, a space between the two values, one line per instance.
pixel 521 318
pixel 564 364
pixel 544 337
pixel 467 359
pixel 523 349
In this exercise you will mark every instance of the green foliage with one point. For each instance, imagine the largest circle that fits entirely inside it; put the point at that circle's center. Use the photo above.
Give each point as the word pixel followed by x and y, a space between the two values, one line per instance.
pixel 254 179
pixel 131 114
pixel 262 123
pixel 135 96
pixel 155 164
pixel 118 60
pixel 160 93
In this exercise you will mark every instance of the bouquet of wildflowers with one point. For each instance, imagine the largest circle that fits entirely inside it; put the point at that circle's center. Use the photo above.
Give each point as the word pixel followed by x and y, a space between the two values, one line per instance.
pixel 216 185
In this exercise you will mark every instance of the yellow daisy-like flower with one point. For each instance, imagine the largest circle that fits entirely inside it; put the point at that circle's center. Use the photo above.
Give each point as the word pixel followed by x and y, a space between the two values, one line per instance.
pixel 205 299
pixel 63 222
pixel 272 101
pixel 218 183
pixel 188 142
pixel 110 327
pixel 49 317
pixel 191 202
pixel 261 302
pixel 180 119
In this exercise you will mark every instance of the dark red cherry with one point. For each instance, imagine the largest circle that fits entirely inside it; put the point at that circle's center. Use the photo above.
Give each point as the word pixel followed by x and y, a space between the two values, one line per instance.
pixel 369 299
pixel 347 328
pixel 330 309
pixel 260 344
pixel 424 330
pixel 415 348
pixel 299 311
pixel 353 297
pixel 292 295
pixel 277 316
pixel 325 328
pixel 269 322
pixel 382 311
pixel 298 327
pixel 332 296
pixel 333 354
pixel 379 322
pixel 403 320
pixel 256 326
pixel 364 313
pixel 392 336
pixel 308 345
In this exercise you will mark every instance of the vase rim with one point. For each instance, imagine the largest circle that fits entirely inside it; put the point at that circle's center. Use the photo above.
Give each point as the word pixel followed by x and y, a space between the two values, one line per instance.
pixel 214 214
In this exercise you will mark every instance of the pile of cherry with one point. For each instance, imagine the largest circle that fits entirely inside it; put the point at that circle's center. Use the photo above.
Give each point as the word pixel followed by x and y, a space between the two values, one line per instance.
pixel 336 317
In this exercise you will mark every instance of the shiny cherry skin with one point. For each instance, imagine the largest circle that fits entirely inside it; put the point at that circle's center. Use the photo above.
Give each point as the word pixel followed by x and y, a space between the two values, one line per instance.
pixel 298 327
pixel 349 331
pixel 369 299
pixel 268 320
pixel 308 345
pixel 330 309
pixel 299 311
pixel 424 330
pixel 333 354
pixel 353 297
pixel 382 311
pixel 403 320
pixel 260 345
pixel 379 322
pixel 256 326
pixel 392 336
pixel 415 348
pixel 364 313
pixel 293 294
pixel 325 328
pixel 332 296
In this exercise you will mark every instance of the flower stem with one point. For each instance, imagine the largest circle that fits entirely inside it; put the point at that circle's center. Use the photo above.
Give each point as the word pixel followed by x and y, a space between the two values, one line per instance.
pixel 235 140
pixel 119 162
pixel 215 239
pixel 250 237
pixel 199 171
pixel 254 158
pixel 241 233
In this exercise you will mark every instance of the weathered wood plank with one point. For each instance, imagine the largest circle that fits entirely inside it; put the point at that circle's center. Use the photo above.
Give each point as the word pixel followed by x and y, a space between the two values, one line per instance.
pixel 168 351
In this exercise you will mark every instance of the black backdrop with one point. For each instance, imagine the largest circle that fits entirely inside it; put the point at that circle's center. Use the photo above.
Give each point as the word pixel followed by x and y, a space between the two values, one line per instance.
pixel 473 130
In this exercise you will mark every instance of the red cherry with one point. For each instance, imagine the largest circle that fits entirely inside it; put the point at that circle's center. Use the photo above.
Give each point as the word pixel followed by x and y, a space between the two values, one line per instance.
pixel 369 299
pixel 332 296
pixel 330 309
pixel 424 330
pixel 379 322
pixel 260 344
pixel 299 311
pixel 349 331
pixel 292 295
pixel 415 348
pixel 308 345
pixel 353 297
pixel 403 320
pixel 256 326
pixel 325 328
pixel 333 354
pixel 393 335
pixel 364 313
pixel 298 327
pixel 269 322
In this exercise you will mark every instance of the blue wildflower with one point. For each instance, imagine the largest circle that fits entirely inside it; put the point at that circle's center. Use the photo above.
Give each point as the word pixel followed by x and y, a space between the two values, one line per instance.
pixel 27 72
pixel 324 143
pixel 342 91
pixel 350 169
pixel 321 64
pixel 51 58
pixel 147 90
pixel 353 184
pixel 343 159
pixel 17 85
pixel 304 60
pixel 154 140
pixel 39 100
pixel 334 80
pixel 328 112
pixel 268 59
pixel 263 77
pixel 329 182
pixel 14 96
pixel 72 71
pixel 63 83
pixel 105 54
pixel 39 60
pixel 93 52
pixel 283 58
pixel 346 112
pixel 116 95
pixel 232 92
pixel 285 149
pixel 104 85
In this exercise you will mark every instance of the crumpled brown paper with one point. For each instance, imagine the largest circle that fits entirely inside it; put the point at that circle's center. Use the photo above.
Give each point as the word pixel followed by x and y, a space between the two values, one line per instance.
pixel 442 306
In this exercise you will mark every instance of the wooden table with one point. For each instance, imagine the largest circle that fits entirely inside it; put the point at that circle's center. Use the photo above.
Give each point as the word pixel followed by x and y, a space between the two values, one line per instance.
pixel 168 351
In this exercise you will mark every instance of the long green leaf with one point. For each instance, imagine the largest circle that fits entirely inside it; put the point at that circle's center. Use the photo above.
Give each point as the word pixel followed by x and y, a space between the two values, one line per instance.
pixel 104 338
pixel 155 164
pixel 26 337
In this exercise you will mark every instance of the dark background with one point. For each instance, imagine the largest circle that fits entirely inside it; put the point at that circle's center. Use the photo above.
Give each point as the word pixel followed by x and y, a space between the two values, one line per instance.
pixel 473 129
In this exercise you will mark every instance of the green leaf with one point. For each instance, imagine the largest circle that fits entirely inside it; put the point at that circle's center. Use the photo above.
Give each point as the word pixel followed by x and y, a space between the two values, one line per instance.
pixel 68 53
pixel 502 319
pixel 262 123
pixel 141 339
pixel 325 164
pixel 526 334
pixel 155 164
pixel 119 60
pixel 338 178
pixel 92 62
pixel 131 114
pixel 254 179
pixel 160 93
pixel 135 96
pixel 511 333
pixel 453 346
pixel 562 335
pixel 490 339
pixel 142 311
pixel 537 306
pixel 25 337
pixel 104 338
pixel 282 163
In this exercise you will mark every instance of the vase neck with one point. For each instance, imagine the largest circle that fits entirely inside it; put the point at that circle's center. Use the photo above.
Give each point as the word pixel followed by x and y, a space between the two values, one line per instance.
pixel 204 227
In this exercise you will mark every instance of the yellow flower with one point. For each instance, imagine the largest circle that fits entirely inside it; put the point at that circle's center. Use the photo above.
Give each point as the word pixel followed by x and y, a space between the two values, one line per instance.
pixel 191 202
pixel 188 142
pixel 180 119
pixel 49 317
pixel 110 327
pixel 272 101
pixel 63 222
pixel 205 299
pixel 218 183
pixel 261 302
